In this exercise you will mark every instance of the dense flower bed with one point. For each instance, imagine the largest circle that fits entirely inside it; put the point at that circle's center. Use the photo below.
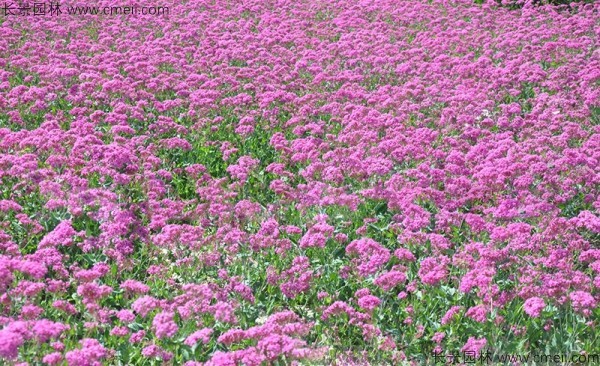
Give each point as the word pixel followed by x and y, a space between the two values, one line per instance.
pixel 272 182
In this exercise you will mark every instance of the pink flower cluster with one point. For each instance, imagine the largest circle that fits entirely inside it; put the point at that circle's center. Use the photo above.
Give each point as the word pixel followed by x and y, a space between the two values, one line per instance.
pixel 357 173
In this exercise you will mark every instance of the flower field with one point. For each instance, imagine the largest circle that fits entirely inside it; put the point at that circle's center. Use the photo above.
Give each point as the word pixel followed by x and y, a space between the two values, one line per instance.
pixel 281 182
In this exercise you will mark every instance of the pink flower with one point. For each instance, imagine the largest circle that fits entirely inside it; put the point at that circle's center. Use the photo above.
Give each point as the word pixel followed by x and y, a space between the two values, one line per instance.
pixel 31 311
pixel 369 302
pixel 91 353
pixel 61 235
pixel 433 270
pixel 242 169
pixel 477 313
pixel 135 287
pixel 137 336
pixel 404 255
pixel 144 305
pixel 582 300
pixel 10 343
pixel 53 358
pixel 450 314
pixel 390 279
pixel 362 292
pixel 224 312
pixel 371 255
pixel 534 306
pixel 119 331
pixel 438 337
pixel 474 345
pixel 164 326
pixel 200 335
pixel 151 351
pixel 45 329
pixel 126 316
pixel 275 345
